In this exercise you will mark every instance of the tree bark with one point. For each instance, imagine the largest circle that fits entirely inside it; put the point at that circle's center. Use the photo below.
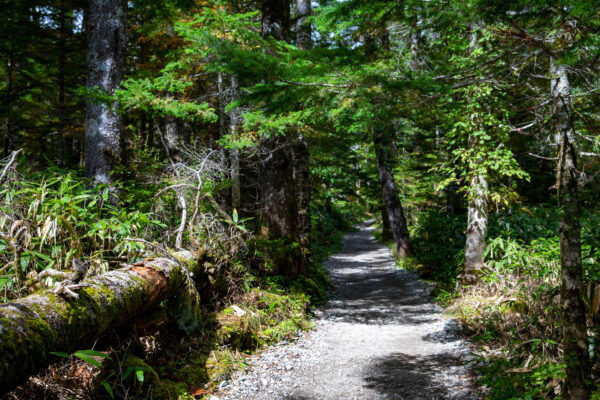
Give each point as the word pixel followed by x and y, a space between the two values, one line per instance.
pixel 452 199
pixel 278 214
pixel 152 128
pixel 301 156
pixel 234 121
pixel 142 130
pixel 275 19
pixel 61 88
pixel 303 26
pixel 172 139
pixel 386 229
pixel 221 107
pixel 477 229
pixel 415 47
pixel 575 344
pixel 186 133
pixel 391 196
pixel 477 208
pixel 32 327
pixel 8 106
pixel 301 150
pixel 107 45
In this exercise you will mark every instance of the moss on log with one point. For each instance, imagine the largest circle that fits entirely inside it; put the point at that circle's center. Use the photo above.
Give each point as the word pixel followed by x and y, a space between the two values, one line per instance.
pixel 32 327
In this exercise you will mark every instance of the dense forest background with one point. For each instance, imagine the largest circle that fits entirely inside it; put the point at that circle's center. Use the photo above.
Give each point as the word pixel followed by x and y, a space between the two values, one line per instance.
pixel 252 133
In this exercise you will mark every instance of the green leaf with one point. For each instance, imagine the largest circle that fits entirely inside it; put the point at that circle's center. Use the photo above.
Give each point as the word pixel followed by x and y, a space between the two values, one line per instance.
pixel 93 353
pixel 140 375
pixel 88 359
pixel 4 281
pixel 88 356
pixel 40 255
pixel 109 390
pixel 60 354
pixel 25 258
pixel 127 372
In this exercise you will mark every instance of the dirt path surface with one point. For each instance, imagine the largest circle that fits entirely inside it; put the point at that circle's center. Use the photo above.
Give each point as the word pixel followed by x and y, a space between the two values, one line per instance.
pixel 378 337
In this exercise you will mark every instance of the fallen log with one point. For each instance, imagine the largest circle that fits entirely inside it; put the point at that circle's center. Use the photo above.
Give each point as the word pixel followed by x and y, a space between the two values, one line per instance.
pixel 34 326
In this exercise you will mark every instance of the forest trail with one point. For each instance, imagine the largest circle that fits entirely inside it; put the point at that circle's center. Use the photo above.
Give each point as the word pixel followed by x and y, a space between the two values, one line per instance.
pixel 378 337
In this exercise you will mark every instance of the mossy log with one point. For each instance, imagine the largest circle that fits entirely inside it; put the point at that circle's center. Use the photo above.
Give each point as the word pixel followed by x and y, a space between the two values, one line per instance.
pixel 34 326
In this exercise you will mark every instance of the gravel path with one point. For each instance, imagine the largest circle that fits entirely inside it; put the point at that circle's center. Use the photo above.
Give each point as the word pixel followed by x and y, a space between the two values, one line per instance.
pixel 378 337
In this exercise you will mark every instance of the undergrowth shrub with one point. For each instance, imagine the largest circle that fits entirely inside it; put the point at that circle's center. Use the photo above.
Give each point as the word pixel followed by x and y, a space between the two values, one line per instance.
pixel 439 238
pixel 515 312
pixel 47 220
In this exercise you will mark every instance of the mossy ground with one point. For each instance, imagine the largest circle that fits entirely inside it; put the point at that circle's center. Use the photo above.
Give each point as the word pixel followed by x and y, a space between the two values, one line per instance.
pixel 196 365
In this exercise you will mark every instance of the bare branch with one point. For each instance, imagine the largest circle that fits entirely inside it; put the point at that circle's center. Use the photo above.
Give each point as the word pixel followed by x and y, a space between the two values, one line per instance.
pixel 542 157
pixel 330 85
pixel 11 160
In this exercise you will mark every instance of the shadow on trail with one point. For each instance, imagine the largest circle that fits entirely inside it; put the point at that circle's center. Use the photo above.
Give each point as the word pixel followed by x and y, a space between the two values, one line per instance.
pixel 370 290
pixel 408 377
pixel 442 336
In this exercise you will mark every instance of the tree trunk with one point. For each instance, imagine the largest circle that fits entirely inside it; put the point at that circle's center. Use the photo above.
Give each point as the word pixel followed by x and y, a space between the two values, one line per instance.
pixel 142 130
pixel 301 151
pixel 303 26
pixel 477 229
pixel 275 19
pixel 278 214
pixel 152 128
pixel 391 197
pixel 301 155
pixel 452 199
pixel 386 229
pixel 575 345
pixel 477 208
pixel 32 327
pixel 61 88
pixel 414 47
pixel 8 106
pixel 186 133
pixel 221 107
pixel 236 186
pixel 234 121
pixel 107 45
pixel 172 139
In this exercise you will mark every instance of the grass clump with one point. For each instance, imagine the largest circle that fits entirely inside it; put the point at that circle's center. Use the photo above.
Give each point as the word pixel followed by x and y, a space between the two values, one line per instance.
pixel 221 364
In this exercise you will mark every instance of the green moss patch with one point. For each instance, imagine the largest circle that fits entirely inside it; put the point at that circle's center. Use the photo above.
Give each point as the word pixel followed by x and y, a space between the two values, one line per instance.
pixel 261 318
